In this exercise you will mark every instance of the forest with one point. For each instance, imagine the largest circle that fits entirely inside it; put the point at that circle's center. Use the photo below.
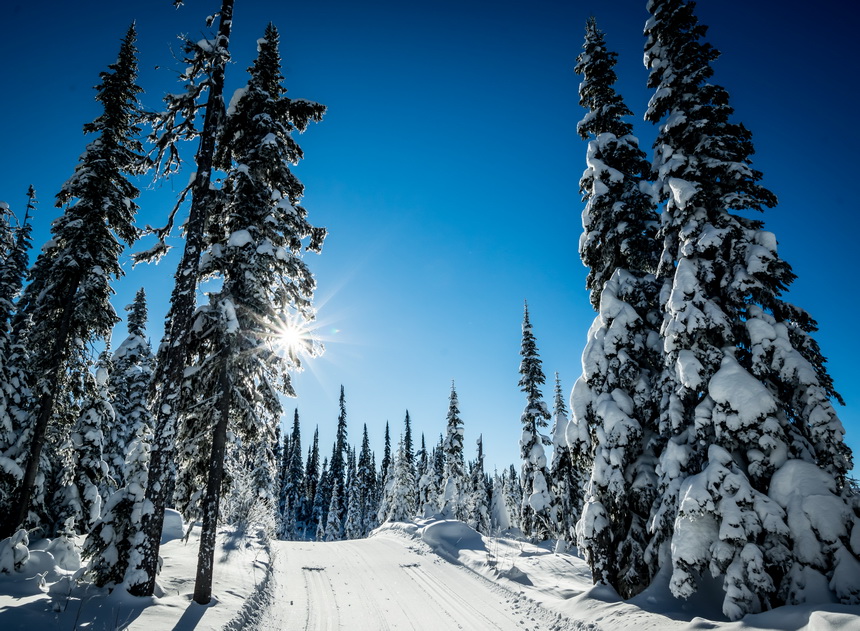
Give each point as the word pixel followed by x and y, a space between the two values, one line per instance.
pixel 701 436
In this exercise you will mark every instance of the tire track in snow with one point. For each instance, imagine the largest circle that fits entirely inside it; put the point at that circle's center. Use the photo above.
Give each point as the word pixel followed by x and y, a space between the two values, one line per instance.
pixel 463 613
pixel 323 610
pixel 387 583
pixel 369 597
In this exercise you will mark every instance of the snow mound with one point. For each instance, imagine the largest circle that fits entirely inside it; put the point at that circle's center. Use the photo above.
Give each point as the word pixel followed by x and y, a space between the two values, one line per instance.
pixel 447 538
pixel 173 527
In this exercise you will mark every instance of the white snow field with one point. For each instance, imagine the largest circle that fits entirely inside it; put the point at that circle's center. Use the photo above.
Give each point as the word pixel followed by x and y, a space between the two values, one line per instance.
pixel 431 574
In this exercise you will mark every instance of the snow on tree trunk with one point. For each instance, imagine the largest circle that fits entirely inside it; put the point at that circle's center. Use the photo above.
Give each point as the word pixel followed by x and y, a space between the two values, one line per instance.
pixel 173 354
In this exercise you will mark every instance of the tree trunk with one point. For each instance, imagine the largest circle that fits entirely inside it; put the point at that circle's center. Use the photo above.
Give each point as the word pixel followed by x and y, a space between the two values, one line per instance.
pixel 212 500
pixel 18 511
pixel 172 355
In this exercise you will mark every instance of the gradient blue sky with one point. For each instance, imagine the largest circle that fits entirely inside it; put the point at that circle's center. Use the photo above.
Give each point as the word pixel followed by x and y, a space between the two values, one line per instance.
pixel 446 171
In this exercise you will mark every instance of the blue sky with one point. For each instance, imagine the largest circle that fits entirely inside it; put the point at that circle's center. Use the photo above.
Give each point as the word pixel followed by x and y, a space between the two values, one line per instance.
pixel 446 171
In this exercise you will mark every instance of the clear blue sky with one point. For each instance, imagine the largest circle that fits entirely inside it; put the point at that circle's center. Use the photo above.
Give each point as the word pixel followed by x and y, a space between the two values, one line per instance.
pixel 447 169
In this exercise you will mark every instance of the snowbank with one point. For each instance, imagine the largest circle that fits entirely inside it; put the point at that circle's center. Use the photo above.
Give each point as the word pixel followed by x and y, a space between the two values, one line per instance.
pixel 561 583
pixel 45 594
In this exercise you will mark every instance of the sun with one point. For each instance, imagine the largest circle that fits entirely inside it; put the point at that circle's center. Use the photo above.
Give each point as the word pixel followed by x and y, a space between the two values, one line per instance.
pixel 294 337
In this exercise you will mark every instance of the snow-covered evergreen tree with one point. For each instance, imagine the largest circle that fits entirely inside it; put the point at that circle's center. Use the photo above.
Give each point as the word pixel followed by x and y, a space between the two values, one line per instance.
pixel 293 485
pixel 365 487
pixel 612 436
pixel 257 235
pixel 566 481
pixel 478 500
pixel 746 399
pixel 14 387
pixel 88 441
pixel 129 388
pixel 407 442
pixel 536 509
pixel 500 519
pixel 385 465
pixel 111 541
pixel 322 500
pixel 312 475
pixel 453 496
pixel 513 496
pixel 337 462
pixel 333 526
pixel 353 527
pixel 398 503
pixel 428 487
pixel 67 302
pixel 204 74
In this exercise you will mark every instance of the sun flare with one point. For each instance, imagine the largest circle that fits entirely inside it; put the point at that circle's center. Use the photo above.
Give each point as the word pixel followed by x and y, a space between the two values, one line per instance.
pixel 295 337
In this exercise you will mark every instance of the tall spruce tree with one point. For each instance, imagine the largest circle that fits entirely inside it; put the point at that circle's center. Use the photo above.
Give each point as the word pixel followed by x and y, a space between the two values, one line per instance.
pixel 613 402
pixel 365 487
pixel 337 463
pixel 257 233
pixel 293 485
pixel 14 390
pixel 746 398
pixel 67 302
pixel 386 457
pixel 204 74
pixel 536 509
pixel 454 492
pixel 312 475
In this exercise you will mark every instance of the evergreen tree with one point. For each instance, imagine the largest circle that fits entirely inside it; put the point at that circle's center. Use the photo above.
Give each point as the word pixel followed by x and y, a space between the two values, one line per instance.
pixel 322 500
pixel 365 486
pixel 294 484
pixel 428 493
pixel 385 465
pixel 206 61
pixel 613 432
pixel 398 503
pixel 438 474
pixel 478 502
pixel 407 441
pixel 337 463
pixel 312 474
pixel 500 519
pixel 130 376
pixel 67 302
pixel 513 496
pixel 746 397
pixel 354 523
pixel 14 391
pixel 108 545
pixel 535 513
pixel 566 483
pixel 333 526
pixel 257 234
pixel 453 498
pixel 619 221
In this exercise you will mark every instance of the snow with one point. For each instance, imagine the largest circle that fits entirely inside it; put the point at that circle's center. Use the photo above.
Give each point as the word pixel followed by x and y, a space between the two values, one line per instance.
pixel 430 574
pixel 239 238
pixel 234 100
pixel 682 190
pixel 47 595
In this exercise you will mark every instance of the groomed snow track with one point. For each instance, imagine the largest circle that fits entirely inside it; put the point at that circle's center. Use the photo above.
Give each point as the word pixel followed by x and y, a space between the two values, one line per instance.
pixel 385 582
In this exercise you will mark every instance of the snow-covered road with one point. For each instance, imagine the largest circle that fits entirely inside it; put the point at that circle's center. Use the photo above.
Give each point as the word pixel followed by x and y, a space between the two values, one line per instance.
pixel 388 582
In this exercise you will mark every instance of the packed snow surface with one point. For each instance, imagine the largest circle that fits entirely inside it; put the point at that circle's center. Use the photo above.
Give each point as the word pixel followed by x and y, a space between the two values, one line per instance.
pixel 431 574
